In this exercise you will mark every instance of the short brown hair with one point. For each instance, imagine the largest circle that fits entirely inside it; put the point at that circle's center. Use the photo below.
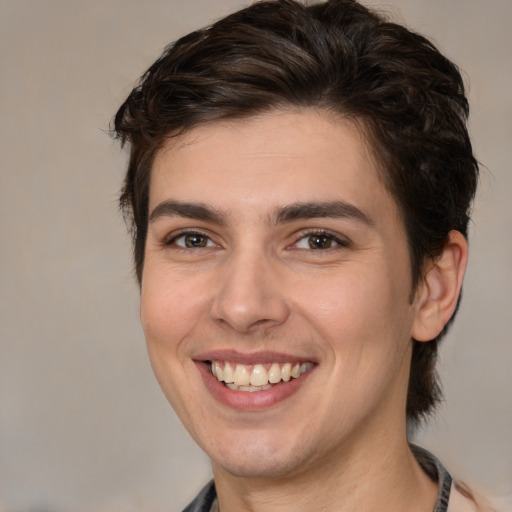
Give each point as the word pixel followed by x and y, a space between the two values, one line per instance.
pixel 337 56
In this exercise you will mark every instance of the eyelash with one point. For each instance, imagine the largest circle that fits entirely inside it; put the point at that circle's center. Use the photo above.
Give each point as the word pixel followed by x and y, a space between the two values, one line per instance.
pixel 330 236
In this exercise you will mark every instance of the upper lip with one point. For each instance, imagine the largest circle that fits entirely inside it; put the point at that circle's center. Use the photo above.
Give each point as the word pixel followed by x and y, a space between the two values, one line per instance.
pixel 250 358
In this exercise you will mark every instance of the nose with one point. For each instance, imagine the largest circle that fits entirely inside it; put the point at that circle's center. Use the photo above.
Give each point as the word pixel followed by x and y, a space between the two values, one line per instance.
pixel 251 295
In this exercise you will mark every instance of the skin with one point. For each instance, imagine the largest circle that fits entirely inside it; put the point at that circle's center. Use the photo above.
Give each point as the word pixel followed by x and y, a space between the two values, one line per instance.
pixel 254 286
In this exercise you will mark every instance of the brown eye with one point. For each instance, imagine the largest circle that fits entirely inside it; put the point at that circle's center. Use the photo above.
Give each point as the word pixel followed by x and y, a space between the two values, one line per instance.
pixel 320 242
pixel 193 241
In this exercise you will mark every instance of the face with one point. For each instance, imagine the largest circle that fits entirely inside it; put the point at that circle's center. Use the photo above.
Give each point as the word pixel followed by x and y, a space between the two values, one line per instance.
pixel 276 292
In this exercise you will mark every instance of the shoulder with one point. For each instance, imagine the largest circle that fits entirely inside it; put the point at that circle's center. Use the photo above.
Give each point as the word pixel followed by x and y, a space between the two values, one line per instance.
pixel 459 502
pixel 452 496
pixel 465 499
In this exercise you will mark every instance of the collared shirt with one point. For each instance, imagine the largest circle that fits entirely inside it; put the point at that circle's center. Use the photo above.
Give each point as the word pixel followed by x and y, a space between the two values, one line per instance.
pixel 206 500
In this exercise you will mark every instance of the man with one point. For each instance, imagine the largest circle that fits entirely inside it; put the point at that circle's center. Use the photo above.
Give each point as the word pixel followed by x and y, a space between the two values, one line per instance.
pixel 299 187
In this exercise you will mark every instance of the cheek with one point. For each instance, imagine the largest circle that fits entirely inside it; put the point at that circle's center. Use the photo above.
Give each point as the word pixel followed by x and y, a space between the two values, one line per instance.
pixel 168 316
pixel 353 300
pixel 169 309
pixel 364 328
pixel 363 317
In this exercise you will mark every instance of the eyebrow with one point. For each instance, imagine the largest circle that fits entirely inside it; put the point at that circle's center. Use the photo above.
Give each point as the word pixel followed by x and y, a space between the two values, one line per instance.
pixel 288 213
pixel 331 209
pixel 198 211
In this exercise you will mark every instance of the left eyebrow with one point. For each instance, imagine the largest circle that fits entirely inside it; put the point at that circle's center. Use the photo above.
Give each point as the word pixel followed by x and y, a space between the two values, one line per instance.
pixel 311 210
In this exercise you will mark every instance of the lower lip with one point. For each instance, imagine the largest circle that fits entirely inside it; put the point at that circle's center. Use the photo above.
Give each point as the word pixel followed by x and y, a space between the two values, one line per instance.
pixel 247 400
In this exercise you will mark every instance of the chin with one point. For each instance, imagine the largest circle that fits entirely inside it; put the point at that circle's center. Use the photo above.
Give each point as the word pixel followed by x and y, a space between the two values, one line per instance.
pixel 249 457
pixel 259 469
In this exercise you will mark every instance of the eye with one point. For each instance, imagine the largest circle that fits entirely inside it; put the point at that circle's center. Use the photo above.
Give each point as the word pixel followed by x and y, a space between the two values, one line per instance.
pixel 319 241
pixel 192 241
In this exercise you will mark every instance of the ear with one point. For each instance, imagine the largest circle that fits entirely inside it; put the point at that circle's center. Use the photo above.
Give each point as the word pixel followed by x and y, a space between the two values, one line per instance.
pixel 438 291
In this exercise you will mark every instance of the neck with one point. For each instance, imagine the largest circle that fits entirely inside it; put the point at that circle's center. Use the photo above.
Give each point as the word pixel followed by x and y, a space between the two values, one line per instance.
pixel 383 475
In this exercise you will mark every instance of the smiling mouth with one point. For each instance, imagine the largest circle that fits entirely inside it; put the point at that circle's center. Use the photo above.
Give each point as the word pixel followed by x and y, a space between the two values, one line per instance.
pixel 258 377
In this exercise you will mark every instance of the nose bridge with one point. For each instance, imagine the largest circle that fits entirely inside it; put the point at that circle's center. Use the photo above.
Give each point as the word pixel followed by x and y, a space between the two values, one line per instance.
pixel 249 293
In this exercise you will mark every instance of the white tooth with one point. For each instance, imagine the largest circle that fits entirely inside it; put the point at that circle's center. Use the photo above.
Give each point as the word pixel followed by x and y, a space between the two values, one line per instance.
pixel 259 376
pixel 213 370
pixel 274 374
pixel 228 373
pixel 286 371
pixel 218 371
pixel 241 376
pixel 295 371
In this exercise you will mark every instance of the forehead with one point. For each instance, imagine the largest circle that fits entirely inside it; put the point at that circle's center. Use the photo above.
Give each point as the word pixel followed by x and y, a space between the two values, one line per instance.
pixel 270 160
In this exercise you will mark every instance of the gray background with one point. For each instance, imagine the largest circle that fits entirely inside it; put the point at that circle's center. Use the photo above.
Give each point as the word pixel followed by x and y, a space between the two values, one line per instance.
pixel 83 425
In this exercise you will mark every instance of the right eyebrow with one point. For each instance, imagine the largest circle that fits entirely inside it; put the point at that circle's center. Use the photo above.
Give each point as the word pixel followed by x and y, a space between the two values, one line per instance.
pixel 198 211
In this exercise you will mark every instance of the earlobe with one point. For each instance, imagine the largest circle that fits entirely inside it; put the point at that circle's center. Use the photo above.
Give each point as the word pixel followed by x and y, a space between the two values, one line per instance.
pixel 439 289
